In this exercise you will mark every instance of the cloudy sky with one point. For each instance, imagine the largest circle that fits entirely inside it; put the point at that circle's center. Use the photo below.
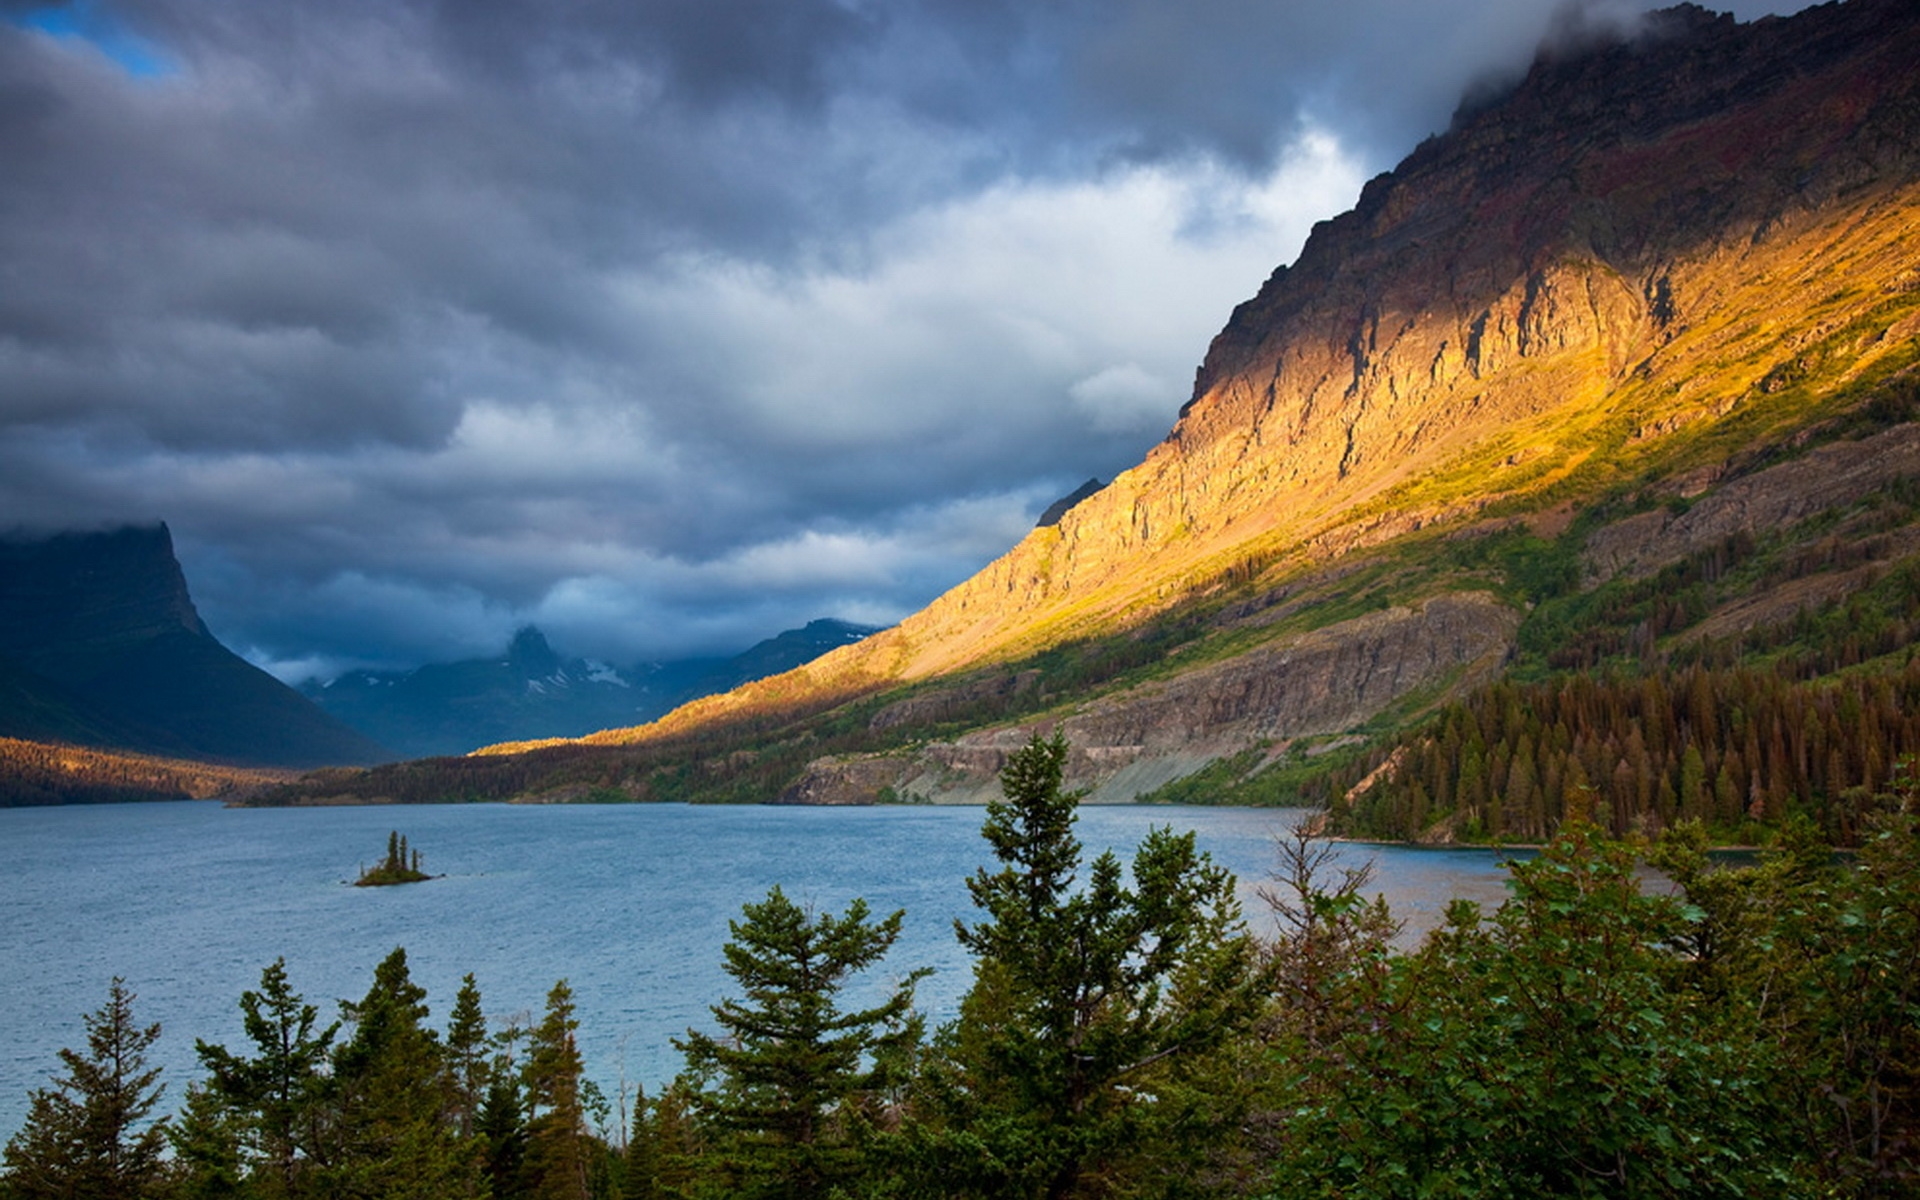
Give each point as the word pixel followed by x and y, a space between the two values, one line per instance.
pixel 663 324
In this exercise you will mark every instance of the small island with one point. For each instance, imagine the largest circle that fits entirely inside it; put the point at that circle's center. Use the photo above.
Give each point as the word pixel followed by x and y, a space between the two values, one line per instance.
pixel 400 866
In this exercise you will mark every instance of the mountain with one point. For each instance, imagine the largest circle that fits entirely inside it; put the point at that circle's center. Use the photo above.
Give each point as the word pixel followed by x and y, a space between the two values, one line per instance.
pixel 779 653
pixel 1612 381
pixel 530 692
pixel 1059 508
pixel 100 646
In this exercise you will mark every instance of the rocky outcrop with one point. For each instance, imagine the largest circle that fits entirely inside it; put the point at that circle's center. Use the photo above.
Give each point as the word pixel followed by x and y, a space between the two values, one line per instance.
pixel 862 780
pixel 1320 682
pixel 71 602
pixel 1134 741
pixel 949 703
pixel 1827 476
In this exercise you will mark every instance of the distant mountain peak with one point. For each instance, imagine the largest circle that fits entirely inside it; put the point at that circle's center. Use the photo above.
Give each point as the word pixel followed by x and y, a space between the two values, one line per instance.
pixel 837 628
pixel 530 691
pixel 530 655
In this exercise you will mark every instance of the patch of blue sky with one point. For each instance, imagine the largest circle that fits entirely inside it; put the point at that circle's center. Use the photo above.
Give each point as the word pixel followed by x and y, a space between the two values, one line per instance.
pixel 88 22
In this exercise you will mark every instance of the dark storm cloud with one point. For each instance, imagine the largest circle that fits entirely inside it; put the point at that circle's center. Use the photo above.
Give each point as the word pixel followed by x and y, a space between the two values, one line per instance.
pixel 705 52
pixel 664 324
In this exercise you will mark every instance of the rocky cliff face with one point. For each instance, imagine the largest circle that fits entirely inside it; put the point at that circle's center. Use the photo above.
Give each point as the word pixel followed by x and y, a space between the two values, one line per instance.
pixel 1829 476
pixel 1133 741
pixel 71 602
pixel 1635 243
pixel 1639 238
pixel 100 645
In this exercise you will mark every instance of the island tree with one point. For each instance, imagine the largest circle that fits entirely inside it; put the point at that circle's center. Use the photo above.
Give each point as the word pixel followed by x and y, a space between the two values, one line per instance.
pixel 401 865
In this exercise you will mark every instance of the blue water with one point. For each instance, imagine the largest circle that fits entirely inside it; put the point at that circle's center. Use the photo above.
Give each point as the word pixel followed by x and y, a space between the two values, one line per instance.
pixel 629 903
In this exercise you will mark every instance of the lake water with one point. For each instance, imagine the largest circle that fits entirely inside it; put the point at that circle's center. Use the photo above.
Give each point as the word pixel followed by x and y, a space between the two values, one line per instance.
pixel 629 903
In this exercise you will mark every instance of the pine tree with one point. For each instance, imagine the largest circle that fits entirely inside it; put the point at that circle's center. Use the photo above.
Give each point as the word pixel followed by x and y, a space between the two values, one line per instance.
pixel 396 1136
pixel 640 1167
pixel 467 1054
pixel 796 1075
pixel 556 1152
pixel 669 1149
pixel 1693 785
pixel 207 1140
pixel 87 1137
pixel 280 1095
pixel 502 1125
pixel 401 865
pixel 1086 1004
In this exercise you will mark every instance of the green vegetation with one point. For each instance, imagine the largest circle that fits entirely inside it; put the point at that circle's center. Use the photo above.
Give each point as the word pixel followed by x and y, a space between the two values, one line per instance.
pixel 1590 1039
pixel 1623 705
pixel 401 865
pixel 1734 748
pixel 88 1135
pixel 1299 775
pixel 1093 1011
pixel 1753 1032
pixel 796 1089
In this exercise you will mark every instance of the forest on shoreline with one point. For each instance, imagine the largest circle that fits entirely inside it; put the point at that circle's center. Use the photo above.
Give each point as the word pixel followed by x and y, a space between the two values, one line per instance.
pixel 1754 1031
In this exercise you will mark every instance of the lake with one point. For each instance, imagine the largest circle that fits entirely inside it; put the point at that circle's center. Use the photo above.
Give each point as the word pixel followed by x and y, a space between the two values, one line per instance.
pixel 629 903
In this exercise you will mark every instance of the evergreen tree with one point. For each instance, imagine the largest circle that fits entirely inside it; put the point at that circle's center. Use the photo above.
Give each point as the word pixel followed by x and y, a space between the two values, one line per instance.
pixel 467 1055
pixel 640 1166
pixel 1557 1049
pixel 1063 1073
pixel 281 1095
pixel 209 1163
pixel 87 1137
pixel 396 1134
pixel 401 865
pixel 557 1152
pixel 796 1077
pixel 667 1150
pixel 502 1126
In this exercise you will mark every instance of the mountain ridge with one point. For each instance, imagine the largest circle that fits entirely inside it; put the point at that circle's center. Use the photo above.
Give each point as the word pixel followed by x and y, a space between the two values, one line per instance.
pixel 1340 405
pixel 1649 270
pixel 530 691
